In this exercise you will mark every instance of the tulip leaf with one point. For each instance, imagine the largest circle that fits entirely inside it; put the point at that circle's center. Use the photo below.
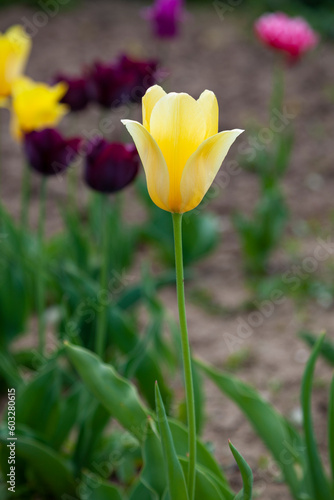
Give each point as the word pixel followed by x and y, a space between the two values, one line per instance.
pixel 41 396
pixel 91 427
pixel 327 347
pixel 9 370
pixel 95 487
pixel 206 485
pixel 141 492
pixel 279 436
pixel 331 428
pixel 204 457
pixel 175 476
pixel 141 362
pixel 118 396
pixel 68 413
pixel 246 474
pixel 319 481
pixel 153 476
pixel 48 465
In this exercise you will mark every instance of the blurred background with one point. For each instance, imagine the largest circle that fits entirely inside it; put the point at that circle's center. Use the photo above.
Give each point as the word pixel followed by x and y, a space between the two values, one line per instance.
pixel 216 49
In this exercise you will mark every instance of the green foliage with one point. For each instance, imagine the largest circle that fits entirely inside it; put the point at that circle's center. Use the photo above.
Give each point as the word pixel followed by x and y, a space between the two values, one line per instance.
pixel 246 473
pixel 296 455
pixel 177 488
pixel 107 386
pixel 320 485
pixel 261 232
pixel 122 401
pixel 18 251
pixel 327 346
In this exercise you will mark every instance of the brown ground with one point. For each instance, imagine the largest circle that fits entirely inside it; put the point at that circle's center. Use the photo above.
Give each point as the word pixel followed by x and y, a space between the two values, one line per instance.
pixel 220 55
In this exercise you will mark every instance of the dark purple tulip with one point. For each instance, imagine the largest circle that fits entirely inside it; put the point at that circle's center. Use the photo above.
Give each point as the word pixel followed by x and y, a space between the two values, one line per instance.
pixel 165 17
pixel 141 75
pixel 108 85
pixel 48 152
pixel 121 82
pixel 111 166
pixel 77 96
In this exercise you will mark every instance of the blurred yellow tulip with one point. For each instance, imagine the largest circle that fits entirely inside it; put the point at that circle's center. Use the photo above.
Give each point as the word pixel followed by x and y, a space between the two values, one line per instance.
pixel 179 146
pixel 15 46
pixel 35 105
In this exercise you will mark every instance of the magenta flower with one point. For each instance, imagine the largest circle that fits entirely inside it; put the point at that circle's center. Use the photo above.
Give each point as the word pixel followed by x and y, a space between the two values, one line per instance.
pixel 77 96
pixel 110 167
pixel 291 35
pixel 48 152
pixel 123 81
pixel 165 17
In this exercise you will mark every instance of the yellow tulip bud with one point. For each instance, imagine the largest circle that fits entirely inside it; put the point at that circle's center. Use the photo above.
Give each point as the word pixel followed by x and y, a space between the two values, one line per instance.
pixel 179 146
pixel 36 105
pixel 15 46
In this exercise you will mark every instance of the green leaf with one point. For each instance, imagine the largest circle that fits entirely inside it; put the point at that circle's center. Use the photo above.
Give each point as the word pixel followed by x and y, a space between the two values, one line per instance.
pixel 327 347
pixel 246 473
pixel 206 486
pixel 9 370
pixel 318 478
pixel 41 396
pixel 204 457
pixel 96 488
pixel 118 396
pixel 141 492
pixel 331 429
pixel 141 363
pixel 91 427
pixel 153 475
pixel 279 436
pixel 68 413
pixel 48 465
pixel 176 481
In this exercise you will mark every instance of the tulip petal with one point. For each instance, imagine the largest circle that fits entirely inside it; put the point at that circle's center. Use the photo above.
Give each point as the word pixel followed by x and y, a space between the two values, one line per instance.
pixel 178 126
pixel 36 105
pixel 152 96
pixel 209 104
pixel 202 168
pixel 154 164
pixel 15 46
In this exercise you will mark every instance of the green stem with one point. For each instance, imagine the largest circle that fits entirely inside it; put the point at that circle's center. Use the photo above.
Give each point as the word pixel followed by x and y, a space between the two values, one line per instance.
pixel 0 148
pixel 102 313
pixel 277 97
pixel 25 197
pixel 40 269
pixel 188 378
pixel 72 188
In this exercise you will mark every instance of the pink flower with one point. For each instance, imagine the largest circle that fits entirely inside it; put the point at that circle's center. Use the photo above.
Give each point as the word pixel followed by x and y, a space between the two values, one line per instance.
pixel 292 35
pixel 165 17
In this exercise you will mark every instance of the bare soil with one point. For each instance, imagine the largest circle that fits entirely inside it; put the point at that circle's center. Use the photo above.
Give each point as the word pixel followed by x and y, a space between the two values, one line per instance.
pixel 223 56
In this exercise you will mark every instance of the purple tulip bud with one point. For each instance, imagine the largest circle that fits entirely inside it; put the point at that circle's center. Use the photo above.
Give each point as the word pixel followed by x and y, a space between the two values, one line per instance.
pixel 165 17
pixel 77 96
pixel 110 167
pixel 48 152
pixel 121 82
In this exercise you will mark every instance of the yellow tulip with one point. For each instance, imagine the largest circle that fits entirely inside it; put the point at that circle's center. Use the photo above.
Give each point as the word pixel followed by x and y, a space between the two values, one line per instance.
pixel 15 46
pixel 36 105
pixel 179 146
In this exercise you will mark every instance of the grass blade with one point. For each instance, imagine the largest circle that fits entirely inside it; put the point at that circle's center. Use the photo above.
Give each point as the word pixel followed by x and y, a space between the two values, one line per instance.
pixel 246 473
pixel 176 481
pixel 319 481
pixel 331 429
